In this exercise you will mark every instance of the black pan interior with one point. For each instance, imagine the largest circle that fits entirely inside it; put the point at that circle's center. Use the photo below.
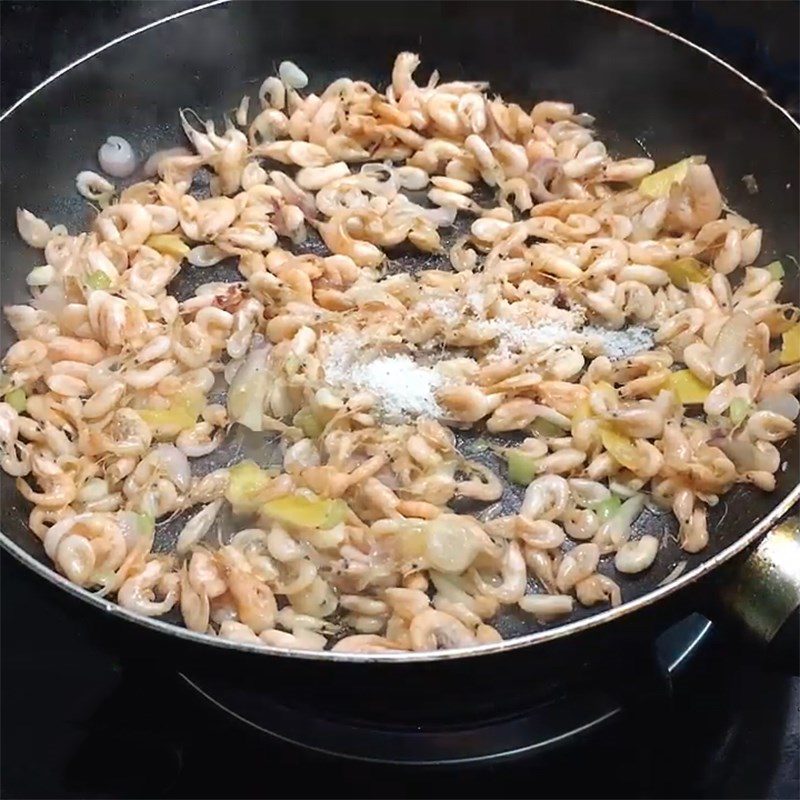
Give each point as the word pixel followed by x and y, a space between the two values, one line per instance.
pixel 649 92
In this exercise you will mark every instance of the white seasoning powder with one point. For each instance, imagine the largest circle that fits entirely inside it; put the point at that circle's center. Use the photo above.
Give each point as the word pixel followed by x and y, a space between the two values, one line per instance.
pixel 401 386
pixel 476 303
pixel 404 388
pixel 447 309
pixel 341 356
pixel 513 337
pixel 622 343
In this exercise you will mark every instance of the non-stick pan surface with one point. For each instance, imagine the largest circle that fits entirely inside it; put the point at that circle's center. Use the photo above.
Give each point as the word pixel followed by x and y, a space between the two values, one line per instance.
pixel 650 92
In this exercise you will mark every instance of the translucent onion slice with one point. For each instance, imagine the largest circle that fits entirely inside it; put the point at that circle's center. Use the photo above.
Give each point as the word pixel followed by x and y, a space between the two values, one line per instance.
pixel 451 546
pixel 205 255
pixel 52 299
pixel 618 527
pixel 197 527
pixel 738 410
pixel 783 403
pixel 34 231
pixel 292 75
pixel 17 399
pixel 742 452
pixel 135 527
pixel 41 276
pixel 249 390
pixel 733 344
pixel 176 465
pixel 116 157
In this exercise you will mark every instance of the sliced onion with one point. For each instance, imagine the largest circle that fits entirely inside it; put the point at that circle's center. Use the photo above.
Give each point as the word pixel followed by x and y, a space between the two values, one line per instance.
pixel 440 217
pixel 451 546
pixel 133 527
pixel 742 452
pixel 116 157
pixel 41 276
pixel 292 75
pixel 733 344
pixel 250 538
pixel 618 528
pixel 249 387
pixel 674 573
pixel 197 527
pixel 52 299
pixel 205 255
pixel 231 368
pixel 584 120
pixel 128 524
pixel 783 403
pixel 35 231
pixel 176 465
pixel 621 489
pixel 378 179
pixel 301 455
pixel 93 490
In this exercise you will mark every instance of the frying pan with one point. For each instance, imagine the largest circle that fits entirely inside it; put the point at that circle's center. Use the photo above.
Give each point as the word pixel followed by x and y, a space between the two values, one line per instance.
pixel 650 91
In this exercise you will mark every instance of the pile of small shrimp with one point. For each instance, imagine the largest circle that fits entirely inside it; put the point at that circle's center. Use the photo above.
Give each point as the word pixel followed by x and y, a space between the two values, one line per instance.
pixel 351 543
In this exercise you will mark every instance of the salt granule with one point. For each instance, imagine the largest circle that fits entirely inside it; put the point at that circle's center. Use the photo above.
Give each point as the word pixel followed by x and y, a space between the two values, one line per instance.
pixel 402 386
pixel 446 308
pixel 406 389
pixel 622 343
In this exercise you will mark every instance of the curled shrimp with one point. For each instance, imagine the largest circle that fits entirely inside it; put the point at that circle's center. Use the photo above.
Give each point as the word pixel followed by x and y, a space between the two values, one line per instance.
pixel 255 602
pixel 128 224
pixel 514 577
pixel 139 592
pixel 432 630
pixel 697 201
pixel 593 305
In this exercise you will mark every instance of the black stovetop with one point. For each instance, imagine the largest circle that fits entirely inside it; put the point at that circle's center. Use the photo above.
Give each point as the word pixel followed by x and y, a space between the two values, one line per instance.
pixel 78 722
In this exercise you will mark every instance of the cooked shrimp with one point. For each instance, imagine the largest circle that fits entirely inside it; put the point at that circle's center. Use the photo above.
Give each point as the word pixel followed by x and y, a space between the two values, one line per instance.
pixel 594 305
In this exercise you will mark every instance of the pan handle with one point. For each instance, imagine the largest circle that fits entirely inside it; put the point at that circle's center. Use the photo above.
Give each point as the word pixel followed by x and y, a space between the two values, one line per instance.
pixel 759 599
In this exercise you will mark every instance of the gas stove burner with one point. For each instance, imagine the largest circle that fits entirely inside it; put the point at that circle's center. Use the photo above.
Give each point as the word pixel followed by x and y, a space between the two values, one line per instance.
pixel 531 725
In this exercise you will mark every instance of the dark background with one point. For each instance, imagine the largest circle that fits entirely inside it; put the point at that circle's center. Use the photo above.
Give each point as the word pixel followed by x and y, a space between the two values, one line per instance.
pixel 759 38
pixel 75 723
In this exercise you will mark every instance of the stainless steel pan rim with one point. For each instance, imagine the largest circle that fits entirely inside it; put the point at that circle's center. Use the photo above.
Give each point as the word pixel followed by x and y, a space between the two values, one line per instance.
pixel 548 634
